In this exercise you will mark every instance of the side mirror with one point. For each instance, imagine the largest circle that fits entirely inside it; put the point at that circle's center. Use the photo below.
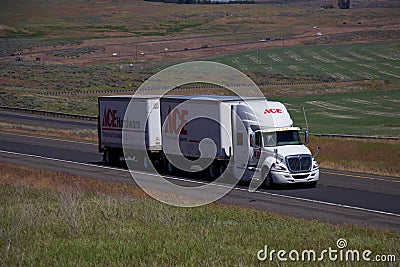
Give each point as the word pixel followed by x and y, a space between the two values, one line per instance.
pixel 276 155
pixel 307 137
pixel 316 154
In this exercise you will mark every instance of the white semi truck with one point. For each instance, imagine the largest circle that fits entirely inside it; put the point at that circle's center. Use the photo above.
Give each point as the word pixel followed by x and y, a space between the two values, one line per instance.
pixel 254 137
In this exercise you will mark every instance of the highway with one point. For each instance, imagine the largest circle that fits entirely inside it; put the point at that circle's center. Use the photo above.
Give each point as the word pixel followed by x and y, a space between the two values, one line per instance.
pixel 46 121
pixel 340 197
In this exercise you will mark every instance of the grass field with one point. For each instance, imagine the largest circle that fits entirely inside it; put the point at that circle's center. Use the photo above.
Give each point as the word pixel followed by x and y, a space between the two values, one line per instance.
pixel 374 61
pixel 97 29
pixel 366 156
pixel 365 107
pixel 103 19
pixel 52 218
pixel 73 134
pixel 362 113
pixel 325 62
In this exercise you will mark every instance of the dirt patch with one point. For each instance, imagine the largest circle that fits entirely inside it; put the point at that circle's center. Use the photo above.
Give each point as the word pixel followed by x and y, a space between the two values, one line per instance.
pixel 185 51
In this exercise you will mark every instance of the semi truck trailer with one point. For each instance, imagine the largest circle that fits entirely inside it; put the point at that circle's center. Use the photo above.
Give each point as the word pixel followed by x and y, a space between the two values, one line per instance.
pixel 252 137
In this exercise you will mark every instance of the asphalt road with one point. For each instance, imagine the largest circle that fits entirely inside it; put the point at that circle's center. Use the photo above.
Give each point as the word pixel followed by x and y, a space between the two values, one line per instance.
pixel 46 121
pixel 340 197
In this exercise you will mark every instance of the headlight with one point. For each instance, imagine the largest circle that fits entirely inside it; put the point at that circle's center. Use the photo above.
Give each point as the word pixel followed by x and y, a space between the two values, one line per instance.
pixel 277 167
pixel 315 165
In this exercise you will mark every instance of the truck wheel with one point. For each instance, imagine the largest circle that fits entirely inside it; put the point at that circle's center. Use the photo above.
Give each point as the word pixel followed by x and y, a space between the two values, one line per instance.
pixel 268 181
pixel 170 168
pixel 145 162
pixel 156 164
pixel 212 171
pixel 221 169
pixel 112 157
pixel 312 184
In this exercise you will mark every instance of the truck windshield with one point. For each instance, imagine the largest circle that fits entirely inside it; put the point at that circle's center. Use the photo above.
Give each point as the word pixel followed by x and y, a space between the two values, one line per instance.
pixel 281 138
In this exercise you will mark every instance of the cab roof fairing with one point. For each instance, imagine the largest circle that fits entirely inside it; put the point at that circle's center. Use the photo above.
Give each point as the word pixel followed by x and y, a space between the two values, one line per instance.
pixel 269 115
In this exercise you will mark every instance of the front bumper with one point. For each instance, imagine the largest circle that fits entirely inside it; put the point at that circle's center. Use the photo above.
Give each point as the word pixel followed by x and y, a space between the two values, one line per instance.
pixel 280 177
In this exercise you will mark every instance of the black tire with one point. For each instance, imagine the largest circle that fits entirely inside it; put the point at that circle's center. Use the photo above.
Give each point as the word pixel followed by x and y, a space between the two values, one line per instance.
pixel 146 162
pixel 221 169
pixel 312 184
pixel 213 171
pixel 156 164
pixel 169 168
pixel 163 165
pixel 268 181
pixel 112 157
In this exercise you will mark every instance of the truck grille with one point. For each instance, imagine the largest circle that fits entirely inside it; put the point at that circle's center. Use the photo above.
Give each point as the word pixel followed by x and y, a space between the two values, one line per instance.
pixel 299 163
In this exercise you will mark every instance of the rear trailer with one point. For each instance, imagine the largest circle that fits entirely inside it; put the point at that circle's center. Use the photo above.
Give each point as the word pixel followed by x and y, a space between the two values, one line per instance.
pixel 143 124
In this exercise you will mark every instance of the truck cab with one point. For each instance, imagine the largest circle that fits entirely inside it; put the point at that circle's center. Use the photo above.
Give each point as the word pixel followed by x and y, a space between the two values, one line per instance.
pixel 281 157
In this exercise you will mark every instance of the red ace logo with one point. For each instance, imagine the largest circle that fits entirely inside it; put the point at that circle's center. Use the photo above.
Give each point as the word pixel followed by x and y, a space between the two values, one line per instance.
pixel 109 118
pixel 176 121
pixel 272 110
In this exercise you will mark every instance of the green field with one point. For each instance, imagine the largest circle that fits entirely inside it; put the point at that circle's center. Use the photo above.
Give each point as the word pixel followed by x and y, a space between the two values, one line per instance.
pixel 366 107
pixel 365 113
pixel 326 62
pixel 331 110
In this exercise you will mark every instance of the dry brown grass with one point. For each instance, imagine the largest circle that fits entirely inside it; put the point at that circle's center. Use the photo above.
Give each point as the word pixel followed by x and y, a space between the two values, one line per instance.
pixel 366 156
pixel 42 179
pixel 81 135
pixel 17 175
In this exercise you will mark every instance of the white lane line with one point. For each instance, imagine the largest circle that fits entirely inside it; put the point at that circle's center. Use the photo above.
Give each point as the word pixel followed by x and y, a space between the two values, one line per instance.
pixel 200 182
